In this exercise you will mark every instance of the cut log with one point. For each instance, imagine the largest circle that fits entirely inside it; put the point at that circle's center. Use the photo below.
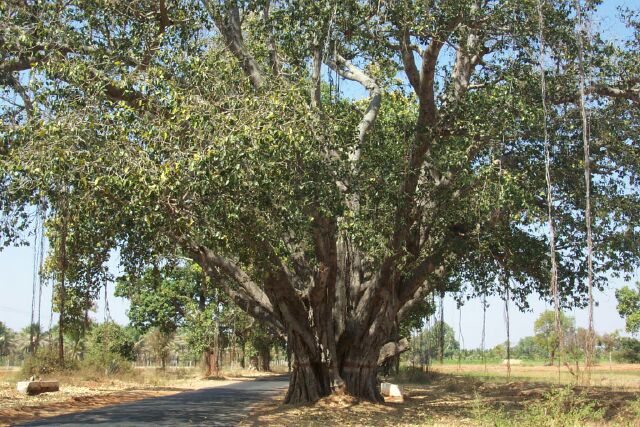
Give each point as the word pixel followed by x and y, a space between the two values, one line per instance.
pixel 36 387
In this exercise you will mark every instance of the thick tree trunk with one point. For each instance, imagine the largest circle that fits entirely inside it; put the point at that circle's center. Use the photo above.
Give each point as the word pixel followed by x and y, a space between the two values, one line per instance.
pixel 264 360
pixel 243 362
pixel 336 331
pixel 210 359
pixel 354 372
pixel 309 381
pixel 361 379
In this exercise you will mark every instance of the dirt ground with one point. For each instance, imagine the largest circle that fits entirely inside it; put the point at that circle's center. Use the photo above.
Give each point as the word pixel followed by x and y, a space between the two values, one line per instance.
pixel 78 394
pixel 457 399
pixel 450 395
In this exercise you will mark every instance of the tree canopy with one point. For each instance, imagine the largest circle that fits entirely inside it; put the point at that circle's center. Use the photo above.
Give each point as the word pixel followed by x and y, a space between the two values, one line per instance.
pixel 337 162
pixel 629 307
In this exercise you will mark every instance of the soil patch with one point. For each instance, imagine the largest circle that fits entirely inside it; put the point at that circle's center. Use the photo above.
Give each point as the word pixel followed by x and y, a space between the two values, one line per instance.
pixel 442 400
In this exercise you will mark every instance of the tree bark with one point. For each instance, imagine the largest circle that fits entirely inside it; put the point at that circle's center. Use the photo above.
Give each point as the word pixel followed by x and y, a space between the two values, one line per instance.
pixel 360 374
pixel 309 380
pixel 264 360
pixel 63 296
pixel 210 359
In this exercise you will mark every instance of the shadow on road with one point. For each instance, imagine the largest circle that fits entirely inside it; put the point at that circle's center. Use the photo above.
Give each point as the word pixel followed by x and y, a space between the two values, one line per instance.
pixel 218 406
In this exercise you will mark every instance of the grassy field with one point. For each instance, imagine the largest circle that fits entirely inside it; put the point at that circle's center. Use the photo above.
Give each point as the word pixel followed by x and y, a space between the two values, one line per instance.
pixel 620 376
pixel 468 395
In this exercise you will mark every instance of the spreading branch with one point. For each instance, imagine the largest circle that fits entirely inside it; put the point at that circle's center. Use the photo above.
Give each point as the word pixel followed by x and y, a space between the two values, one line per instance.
pixel 229 25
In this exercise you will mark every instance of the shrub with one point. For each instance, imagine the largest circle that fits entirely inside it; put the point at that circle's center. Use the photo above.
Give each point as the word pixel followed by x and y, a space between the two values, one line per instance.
pixel 44 362
pixel 628 350
pixel 111 338
pixel 560 407
pixel 110 348
pixel 106 363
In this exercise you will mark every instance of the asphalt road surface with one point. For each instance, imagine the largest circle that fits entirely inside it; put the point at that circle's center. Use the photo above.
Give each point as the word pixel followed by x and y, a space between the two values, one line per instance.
pixel 215 406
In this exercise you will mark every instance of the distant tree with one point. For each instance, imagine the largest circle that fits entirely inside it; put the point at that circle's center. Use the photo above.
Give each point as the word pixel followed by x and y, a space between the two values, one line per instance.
pixel 576 343
pixel 6 340
pixel 628 350
pixel 23 343
pixel 629 307
pixel 177 295
pixel 425 346
pixel 546 333
pixel 112 338
pixel 498 352
pixel 159 341
pixel 528 348
pixel 608 343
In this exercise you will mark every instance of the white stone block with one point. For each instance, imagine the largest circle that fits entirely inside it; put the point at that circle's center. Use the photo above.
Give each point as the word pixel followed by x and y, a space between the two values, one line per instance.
pixel 391 390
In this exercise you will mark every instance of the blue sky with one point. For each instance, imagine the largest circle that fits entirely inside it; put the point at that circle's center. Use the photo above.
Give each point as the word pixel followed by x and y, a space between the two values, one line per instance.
pixel 16 277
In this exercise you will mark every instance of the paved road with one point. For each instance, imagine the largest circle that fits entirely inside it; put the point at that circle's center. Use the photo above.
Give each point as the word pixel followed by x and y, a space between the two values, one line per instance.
pixel 216 406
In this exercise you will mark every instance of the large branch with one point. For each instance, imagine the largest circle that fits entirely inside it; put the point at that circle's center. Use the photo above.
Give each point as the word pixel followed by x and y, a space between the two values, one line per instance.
pixel 250 289
pixel 111 90
pixel 229 26
pixel 632 94
pixel 424 135
pixel 349 71
pixel 392 349
pixel 628 90
pixel 468 55
pixel 408 61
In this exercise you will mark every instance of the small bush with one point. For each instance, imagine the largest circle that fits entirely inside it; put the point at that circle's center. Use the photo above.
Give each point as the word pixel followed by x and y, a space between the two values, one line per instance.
pixel 45 362
pixel 634 408
pixel 628 352
pixel 562 408
pixel 105 363
pixel 557 408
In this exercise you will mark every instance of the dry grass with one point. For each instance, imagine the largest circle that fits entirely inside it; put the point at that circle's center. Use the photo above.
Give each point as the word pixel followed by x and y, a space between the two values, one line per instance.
pixel 619 376
pixel 446 399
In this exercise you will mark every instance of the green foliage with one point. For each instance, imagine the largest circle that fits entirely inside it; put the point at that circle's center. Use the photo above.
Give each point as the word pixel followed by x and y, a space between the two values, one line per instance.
pixel 162 296
pixel 134 114
pixel 529 348
pixel 634 408
pixel 110 349
pixel 7 337
pixel 629 307
pixel 112 339
pixel 547 333
pixel 105 363
pixel 425 346
pixel 627 350
pixel 179 296
pixel 45 361
pixel 204 332
pixel 143 130
pixel 561 407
